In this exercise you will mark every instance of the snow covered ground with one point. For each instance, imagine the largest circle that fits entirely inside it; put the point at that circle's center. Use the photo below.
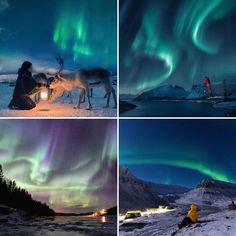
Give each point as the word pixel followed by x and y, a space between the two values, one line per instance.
pixel 44 109
pixel 16 223
pixel 211 223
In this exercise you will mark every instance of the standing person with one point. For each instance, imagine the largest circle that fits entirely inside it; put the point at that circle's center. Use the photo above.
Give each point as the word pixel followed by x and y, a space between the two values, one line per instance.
pixel 207 84
pixel 191 218
pixel 25 86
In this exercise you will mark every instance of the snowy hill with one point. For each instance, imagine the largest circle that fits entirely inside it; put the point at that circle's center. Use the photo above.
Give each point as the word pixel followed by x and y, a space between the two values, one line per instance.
pixel 211 224
pixel 136 193
pixel 8 77
pixel 164 92
pixel 8 214
pixel 210 192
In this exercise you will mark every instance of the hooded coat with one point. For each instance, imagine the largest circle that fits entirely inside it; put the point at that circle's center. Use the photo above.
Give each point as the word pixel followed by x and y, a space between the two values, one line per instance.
pixel 192 214
pixel 25 83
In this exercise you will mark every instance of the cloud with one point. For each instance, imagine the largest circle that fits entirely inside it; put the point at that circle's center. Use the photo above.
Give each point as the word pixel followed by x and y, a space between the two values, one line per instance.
pixel 4 4
pixel 12 62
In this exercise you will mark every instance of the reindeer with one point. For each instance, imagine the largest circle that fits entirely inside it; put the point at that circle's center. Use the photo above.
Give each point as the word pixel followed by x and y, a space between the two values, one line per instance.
pixel 82 80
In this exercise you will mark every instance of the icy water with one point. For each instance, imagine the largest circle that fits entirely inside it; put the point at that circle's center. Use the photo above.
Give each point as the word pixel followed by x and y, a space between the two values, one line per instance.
pixel 174 109
pixel 62 226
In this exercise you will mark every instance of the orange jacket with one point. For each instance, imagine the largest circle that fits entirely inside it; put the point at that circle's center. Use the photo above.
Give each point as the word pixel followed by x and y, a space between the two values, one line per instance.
pixel 192 214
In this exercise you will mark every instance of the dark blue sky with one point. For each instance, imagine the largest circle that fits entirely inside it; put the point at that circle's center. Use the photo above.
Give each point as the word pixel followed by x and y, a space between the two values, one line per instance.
pixel 179 151
pixel 40 30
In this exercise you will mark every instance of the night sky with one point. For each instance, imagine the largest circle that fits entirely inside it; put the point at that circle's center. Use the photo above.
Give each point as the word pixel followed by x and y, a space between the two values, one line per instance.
pixel 179 152
pixel 83 32
pixel 176 42
pixel 68 164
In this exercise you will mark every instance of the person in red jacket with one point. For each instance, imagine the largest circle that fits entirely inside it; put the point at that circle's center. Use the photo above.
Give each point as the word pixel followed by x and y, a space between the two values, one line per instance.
pixel 207 84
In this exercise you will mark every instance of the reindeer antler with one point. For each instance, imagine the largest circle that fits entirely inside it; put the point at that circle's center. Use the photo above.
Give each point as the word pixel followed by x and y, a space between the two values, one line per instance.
pixel 60 61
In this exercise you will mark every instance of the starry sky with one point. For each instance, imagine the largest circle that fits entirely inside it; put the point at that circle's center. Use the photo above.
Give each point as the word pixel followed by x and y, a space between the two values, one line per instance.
pixel 83 32
pixel 176 42
pixel 68 164
pixel 181 152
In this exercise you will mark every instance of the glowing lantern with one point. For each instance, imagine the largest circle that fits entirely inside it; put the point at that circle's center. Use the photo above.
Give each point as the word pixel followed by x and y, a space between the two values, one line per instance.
pixel 44 95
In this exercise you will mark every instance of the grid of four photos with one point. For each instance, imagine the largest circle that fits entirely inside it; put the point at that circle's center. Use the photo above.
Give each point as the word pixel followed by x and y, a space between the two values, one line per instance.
pixel 112 117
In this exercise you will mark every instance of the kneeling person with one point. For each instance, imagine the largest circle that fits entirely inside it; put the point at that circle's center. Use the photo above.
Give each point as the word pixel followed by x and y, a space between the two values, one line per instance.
pixel 25 86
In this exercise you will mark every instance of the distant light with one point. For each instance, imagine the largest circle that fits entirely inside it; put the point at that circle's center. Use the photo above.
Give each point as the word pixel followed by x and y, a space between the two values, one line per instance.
pixel 103 212
pixel 104 219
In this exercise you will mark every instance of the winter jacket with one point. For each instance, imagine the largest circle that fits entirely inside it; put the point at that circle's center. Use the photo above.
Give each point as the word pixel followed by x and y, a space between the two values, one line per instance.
pixel 24 83
pixel 192 214
pixel 207 81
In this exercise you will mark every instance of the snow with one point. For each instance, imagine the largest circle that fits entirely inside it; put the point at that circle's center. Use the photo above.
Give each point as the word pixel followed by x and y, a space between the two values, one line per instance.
pixel 210 192
pixel 8 77
pixel 136 193
pixel 212 197
pixel 16 222
pixel 211 223
pixel 44 109
pixel 197 92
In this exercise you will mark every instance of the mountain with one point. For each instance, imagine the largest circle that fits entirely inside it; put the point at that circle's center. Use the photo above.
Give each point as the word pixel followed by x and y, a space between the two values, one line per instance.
pixel 210 192
pixel 136 193
pixel 164 92
pixel 197 92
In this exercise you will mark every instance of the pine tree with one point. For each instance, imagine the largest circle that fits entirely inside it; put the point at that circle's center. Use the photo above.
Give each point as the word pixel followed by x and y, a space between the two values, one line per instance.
pixel 1 172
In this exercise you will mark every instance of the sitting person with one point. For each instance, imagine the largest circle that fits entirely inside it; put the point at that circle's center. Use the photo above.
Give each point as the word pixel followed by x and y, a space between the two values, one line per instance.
pixel 25 86
pixel 232 206
pixel 191 218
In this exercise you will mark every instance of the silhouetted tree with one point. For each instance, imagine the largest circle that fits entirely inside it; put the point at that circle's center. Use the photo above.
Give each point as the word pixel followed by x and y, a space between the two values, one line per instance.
pixel 13 196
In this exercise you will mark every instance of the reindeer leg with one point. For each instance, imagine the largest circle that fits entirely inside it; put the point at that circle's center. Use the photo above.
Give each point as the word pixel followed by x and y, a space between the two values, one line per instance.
pixel 112 90
pixel 89 102
pixel 83 94
pixel 114 97
pixel 70 97
pixel 108 92
pixel 91 92
pixel 62 96
pixel 79 99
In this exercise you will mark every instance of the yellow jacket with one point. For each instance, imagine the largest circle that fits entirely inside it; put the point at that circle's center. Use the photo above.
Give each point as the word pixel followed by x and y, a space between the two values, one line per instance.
pixel 192 214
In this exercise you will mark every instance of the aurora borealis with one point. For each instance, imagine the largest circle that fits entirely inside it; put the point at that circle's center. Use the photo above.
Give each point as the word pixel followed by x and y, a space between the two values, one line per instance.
pixel 83 32
pixel 179 152
pixel 68 164
pixel 175 42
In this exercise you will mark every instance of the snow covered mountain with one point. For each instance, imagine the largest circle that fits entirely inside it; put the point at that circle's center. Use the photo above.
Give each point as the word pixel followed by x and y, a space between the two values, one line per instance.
pixel 138 194
pixel 210 192
pixel 8 77
pixel 164 92
pixel 197 92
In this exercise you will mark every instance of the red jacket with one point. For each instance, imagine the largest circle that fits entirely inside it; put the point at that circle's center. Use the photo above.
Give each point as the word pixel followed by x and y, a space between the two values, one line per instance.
pixel 207 81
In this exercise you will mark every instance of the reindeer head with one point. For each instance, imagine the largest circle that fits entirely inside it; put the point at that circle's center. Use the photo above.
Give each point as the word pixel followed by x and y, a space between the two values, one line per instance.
pixel 57 77
pixel 56 82
pixel 55 93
